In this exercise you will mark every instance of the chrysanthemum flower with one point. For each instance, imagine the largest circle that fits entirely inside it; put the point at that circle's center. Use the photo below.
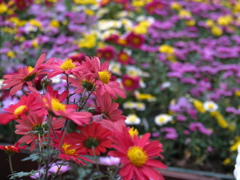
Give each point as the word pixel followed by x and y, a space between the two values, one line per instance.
pixel 109 109
pixel 137 156
pixel 162 119
pixel 56 108
pixel 78 57
pixel 34 128
pixel 103 76
pixel 23 4
pixel 134 40
pixel 70 149
pixel 82 82
pixel 94 138
pixel 210 106
pixel 58 66
pixel 106 53
pixel 130 83
pixel 124 58
pixel 12 149
pixel 25 75
pixel 40 109
pixel 154 6
pixel 132 119
pixel 18 110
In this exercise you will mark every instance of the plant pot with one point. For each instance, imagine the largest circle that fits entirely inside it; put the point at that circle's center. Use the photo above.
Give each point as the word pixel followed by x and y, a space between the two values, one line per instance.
pixel 18 165
pixel 174 173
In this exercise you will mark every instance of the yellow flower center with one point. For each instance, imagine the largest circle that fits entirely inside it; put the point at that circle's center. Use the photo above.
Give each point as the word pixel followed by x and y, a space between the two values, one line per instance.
pixel 68 151
pixel 56 105
pixel 128 83
pixel 30 69
pixel 104 76
pixel 67 64
pixel 136 40
pixel 137 156
pixel 123 57
pixel 161 120
pixel 133 132
pixel 19 110
pixel 210 106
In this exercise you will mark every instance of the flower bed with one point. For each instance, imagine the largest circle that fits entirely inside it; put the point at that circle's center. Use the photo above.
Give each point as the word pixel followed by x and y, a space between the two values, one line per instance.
pixel 177 60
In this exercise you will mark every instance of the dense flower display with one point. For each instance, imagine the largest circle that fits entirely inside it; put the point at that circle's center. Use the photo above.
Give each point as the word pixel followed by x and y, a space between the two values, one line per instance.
pixel 177 60
pixel 45 121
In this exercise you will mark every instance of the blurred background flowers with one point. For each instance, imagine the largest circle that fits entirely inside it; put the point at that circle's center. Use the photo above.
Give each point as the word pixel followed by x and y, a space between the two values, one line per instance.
pixel 178 60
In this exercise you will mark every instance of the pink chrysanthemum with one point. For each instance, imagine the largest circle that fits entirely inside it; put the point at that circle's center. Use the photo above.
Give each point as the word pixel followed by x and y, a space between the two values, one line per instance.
pixel 82 82
pixel 25 75
pixel 58 66
pixel 109 109
pixel 103 76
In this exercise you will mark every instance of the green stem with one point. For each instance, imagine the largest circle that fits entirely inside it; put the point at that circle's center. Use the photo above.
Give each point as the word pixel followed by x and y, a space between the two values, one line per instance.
pixel 11 168
pixel 48 146
pixel 96 162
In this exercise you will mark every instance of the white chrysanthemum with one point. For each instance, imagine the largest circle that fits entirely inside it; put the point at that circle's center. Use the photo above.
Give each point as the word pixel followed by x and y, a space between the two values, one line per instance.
pixel 132 119
pixel 1 83
pixel 124 14
pixel 165 85
pixel 102 11
pixel 140 106
pixel 162 119
pixel 236 171
pixel 129 105
pixel 56 79
pixel 115 67
pixel 133 71
pixel 210 106
pixel 104 24
pixel 30 28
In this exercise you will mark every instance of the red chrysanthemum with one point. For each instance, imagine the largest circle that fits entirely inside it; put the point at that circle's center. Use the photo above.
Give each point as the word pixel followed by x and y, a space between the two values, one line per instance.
pixel 153 6
pixel 137 156
pixel 70 149
pixel 78 57
pixel 68 111
pixel 94 138
pixel 124 58
pixel 130 83
pixel 134 40
pixel 25 75
pixel 34 129
pixel 109 109
pixel 106 53
pixel 112 38
pixel 23 4
pixel 18 110
pixel 120 1
pixel 12 149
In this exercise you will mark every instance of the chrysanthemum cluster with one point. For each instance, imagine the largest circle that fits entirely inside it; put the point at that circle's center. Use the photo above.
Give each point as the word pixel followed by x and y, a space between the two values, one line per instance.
pixel 79 122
